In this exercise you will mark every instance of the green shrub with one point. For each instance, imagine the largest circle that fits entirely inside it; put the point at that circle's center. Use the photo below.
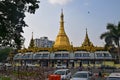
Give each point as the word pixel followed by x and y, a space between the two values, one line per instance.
pixel 5 78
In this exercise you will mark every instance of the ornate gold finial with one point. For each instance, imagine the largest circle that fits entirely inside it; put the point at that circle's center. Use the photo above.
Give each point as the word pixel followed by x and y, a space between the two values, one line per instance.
pixel 71 43
pixel 32 35
pixel 62 13
pixel 86 30
pixel 61 17
pixel 62 10
pixel 62 40
pixel 86 37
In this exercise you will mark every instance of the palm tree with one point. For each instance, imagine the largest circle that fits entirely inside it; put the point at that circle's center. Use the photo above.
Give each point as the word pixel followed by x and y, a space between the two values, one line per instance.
pixel 112 36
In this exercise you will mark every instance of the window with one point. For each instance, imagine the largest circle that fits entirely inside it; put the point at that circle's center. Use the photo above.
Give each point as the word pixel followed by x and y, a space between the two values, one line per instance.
pixel 78 55
pixel 26 55
pixel 80 75
pixel 64 55
pixel 60 72
pixel 45 55
pixel 37 55
pixel 17 56
pixel 57 55
pixel 106 55
pixel 85 54
pixel 99 55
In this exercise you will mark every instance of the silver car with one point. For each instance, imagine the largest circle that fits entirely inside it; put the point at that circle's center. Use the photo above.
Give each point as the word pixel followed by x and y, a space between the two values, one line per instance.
pixel 114 76
pixel 64 73
pixel 81 75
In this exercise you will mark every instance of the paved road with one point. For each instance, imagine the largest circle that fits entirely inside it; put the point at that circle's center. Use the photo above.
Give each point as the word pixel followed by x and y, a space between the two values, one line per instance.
pixel 49 71
pixel 105 72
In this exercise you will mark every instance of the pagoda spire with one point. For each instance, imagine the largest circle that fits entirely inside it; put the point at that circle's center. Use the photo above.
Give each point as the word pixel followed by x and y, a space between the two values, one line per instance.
pixel 62 31
pixel 61 39
pixel 62 16
pixel 87 40
pixel 86 37
pixel 31 45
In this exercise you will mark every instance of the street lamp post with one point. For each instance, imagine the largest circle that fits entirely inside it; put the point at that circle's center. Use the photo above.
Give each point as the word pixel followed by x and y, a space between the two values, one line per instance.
pixel 104 63
pixel 94 60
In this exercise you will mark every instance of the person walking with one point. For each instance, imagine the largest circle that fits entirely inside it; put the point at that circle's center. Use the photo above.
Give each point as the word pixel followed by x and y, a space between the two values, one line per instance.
pixel 80 68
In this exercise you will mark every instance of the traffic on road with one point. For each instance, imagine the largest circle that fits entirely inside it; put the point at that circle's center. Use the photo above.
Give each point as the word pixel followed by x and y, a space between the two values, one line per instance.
pixel 62 72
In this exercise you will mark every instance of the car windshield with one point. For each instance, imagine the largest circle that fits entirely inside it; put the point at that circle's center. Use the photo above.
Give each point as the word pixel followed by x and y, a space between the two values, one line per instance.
pixel 58 65
pixel 61 65
pixel 113 78
pixel 80 75
pixel 60 72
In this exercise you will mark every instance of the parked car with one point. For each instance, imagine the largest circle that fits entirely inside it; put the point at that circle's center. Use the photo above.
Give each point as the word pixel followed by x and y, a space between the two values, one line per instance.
pixel 82 75
pixel 61 66
pixel 114 76
pixel 64 73
pixel 8 64
pixel 1 64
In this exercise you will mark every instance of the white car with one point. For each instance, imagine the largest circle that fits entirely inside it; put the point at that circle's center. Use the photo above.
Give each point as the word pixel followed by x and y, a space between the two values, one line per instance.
pixel 8 64
pixel 61 66
pixel 1 64
pixel 114 76
pixel 82 75
pixel 64 73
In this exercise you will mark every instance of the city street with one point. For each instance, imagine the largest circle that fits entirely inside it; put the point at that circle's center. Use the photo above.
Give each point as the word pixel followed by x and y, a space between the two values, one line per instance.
pixel 36 73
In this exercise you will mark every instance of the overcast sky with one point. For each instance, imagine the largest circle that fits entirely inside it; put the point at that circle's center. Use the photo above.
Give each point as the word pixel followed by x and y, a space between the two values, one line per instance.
pixel 78 15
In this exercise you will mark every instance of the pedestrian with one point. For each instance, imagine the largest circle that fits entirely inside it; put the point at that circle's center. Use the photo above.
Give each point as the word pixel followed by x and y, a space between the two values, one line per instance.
pixel 100 74
pixel 88 67
pixel 80 68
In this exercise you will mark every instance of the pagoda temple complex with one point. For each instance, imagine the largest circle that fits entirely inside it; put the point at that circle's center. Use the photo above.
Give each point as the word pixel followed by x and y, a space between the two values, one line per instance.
pixel 63 52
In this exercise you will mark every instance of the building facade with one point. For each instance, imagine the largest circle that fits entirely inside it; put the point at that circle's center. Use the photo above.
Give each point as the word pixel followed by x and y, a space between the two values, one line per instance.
pixel 43 42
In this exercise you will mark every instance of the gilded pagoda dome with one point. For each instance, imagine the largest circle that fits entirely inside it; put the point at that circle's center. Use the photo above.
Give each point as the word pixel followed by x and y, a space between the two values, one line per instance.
pixel 62 40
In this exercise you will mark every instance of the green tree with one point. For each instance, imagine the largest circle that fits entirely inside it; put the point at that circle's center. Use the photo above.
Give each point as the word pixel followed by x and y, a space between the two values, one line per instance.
pixel 12 14
pixel 112 36
pixel 4 54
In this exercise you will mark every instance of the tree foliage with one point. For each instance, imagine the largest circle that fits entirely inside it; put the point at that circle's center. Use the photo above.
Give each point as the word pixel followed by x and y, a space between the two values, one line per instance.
pixel 12 14
pixel 4 54
pixel 112 36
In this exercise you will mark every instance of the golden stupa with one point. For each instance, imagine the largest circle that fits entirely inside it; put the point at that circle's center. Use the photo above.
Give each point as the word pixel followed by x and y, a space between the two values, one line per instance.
pixel 62 41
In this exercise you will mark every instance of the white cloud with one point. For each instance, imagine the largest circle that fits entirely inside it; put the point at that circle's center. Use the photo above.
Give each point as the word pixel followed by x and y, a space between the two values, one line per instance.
pixel 60 2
